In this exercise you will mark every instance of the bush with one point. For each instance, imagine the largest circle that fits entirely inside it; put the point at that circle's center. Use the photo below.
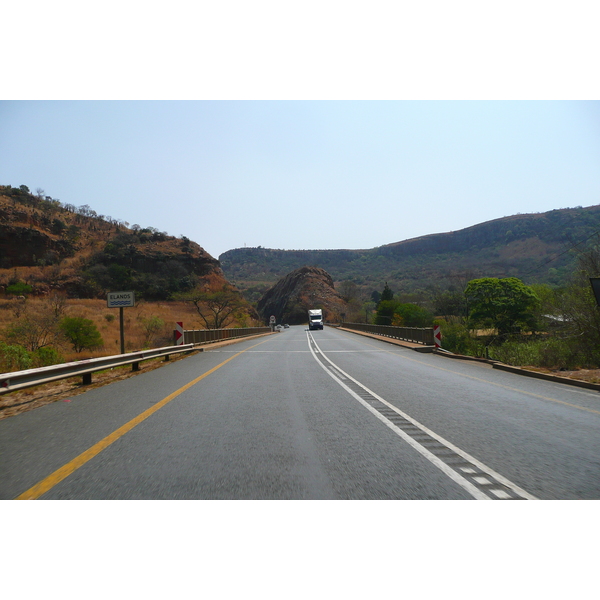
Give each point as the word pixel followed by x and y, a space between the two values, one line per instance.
pixel 14 358
pixel 46 356
pixel 81 333
pixel 457 338
pixel 549 353
pixel 19 289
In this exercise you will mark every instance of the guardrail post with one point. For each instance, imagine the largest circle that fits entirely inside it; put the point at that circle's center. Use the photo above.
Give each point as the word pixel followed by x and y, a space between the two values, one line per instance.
pixel 86 379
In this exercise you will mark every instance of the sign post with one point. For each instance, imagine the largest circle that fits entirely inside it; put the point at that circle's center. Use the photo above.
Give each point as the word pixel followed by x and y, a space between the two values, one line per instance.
pixel 595 283
pixel 120 300
pixel 272 322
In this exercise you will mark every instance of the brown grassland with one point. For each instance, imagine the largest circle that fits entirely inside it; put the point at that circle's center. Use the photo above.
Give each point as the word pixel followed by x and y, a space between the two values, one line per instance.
pixel 138 335
pixel 138 331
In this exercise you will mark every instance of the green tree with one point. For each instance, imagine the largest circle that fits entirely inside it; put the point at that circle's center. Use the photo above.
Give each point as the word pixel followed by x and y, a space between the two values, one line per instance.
pixel 412 315
pixel 385 307
pixel 81 333
pixel 385 312
pixel 387 294
pixel 507 305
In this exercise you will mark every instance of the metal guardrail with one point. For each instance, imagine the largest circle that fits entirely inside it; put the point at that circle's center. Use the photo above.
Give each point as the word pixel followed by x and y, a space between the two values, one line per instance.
pixel 204 336
pixel 10 382
pixel 415 335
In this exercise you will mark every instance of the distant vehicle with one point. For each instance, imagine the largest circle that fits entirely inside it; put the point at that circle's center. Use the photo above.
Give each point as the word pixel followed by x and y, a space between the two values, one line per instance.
pixel 279 327
pixel 286 326
pixel 315 318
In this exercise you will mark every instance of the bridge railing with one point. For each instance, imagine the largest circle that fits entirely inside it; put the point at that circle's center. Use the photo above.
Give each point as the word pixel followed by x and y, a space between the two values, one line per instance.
pixel 415 335
pixel 204 336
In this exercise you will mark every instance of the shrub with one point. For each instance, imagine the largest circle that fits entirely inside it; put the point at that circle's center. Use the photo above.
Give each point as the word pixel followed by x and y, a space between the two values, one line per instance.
pixel 19 289
pixel 46 356
pixel 14 358
pixel 457 338
pixel 81 333
pixel 549 353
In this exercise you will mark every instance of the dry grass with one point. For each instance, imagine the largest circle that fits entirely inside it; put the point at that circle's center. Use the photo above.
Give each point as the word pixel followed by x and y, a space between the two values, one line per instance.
pixel 138 335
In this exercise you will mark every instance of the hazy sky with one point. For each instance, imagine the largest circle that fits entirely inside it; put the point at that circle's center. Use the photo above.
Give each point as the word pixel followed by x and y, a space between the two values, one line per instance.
pixel 259 124
pixel 305 174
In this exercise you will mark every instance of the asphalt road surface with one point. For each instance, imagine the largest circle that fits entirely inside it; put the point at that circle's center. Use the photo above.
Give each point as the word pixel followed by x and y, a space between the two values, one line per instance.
pixel 310 415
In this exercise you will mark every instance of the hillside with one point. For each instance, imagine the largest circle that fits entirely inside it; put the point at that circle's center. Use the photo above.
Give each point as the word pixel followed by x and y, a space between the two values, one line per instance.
pixel 54 247
pixel 537 248
pixel 290 298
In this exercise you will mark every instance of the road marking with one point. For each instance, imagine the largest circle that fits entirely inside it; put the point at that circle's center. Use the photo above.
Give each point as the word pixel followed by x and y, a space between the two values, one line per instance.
pixel 401 355
pixel 501 494
pixel 434 441
pixel 482 480
pixel 60 474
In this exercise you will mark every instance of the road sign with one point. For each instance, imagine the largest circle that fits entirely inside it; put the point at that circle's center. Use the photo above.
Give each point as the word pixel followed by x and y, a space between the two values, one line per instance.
pixel 272 319
pixel 120 299
pixel 437 336
pixel 179 334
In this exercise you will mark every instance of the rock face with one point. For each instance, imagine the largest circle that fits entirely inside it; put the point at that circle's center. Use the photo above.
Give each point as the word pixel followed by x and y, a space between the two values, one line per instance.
pixel 292 296
pixel 56 247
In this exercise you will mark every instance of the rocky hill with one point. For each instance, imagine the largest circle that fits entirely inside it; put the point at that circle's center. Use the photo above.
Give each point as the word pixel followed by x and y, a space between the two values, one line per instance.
pixel 290 298
pixel 537 248
pixel 50 246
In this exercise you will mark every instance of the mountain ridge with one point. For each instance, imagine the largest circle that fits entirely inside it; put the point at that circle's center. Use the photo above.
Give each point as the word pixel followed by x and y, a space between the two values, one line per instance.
pixel 534 247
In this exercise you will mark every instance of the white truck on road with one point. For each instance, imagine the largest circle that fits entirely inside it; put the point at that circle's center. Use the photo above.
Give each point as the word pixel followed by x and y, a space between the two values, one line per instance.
pixel 315 319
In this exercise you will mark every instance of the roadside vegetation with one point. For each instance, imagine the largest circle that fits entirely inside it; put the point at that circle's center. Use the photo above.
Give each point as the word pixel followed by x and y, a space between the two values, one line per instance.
pixel 540 326
pixel 37 332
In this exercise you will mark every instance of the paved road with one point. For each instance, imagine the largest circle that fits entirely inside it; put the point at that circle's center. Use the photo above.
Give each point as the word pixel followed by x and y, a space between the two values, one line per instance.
pixel 299 415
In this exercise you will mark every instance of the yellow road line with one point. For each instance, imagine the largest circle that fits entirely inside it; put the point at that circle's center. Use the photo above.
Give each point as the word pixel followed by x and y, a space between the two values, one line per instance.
pixel 49 482
pixel 591 410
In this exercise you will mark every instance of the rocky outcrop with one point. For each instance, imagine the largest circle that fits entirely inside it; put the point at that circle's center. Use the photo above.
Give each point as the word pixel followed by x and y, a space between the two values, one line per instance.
pixel 22 246
pixel 292 296
pixel 55 247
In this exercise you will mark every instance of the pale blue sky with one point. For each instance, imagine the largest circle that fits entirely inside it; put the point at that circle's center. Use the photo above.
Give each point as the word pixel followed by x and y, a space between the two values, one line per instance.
pixel 305 174
pixel 329 126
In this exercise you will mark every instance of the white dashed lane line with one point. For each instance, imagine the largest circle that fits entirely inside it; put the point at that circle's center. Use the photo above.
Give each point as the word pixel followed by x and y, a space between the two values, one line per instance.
pixel 472 475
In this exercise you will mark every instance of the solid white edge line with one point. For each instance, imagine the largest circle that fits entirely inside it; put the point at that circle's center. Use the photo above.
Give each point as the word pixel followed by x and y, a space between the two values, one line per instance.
pixel 456 477
pixel 449 445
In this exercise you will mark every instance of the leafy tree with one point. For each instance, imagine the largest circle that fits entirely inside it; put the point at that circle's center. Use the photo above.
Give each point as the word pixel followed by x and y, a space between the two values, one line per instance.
pixel 412 315
pixel 507 305
pixel 385 306
pixel 576 304
pixel 385 312
pixel 387 294
pixel 348 290
pixel 81 333
pixel 216 308
pixel 36 328
pixel 449 302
